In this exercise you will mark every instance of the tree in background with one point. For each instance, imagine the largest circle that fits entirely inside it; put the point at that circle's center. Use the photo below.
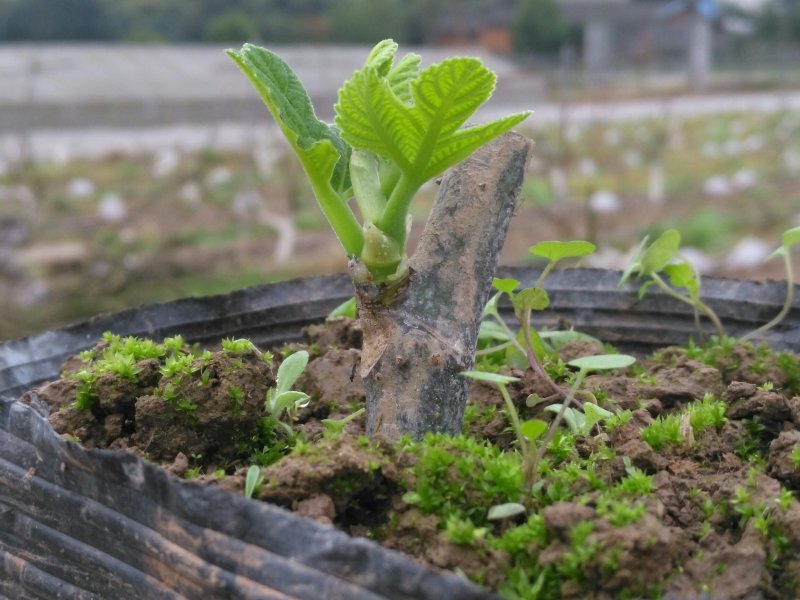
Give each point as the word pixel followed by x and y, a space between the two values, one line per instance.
pixel 539 27
pixel 231 26
pixel 64 20
pixel 780 20
pixel 364 21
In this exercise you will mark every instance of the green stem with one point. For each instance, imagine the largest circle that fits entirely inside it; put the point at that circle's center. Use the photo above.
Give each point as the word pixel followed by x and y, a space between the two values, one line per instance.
pixel 551 431
pixel 393 219
pixel 787 305
pixel 698 304
pixel 492 349
pixel 514 417
pixel 530 352
pixel 341 218
pixel 528 465
pixel 544 274
pixel 531 358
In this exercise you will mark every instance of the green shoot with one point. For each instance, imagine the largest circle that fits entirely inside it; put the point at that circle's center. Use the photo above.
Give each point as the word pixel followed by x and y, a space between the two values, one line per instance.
pixel 581 423
pixel 336 426
pixel 345 309
pixel 396 127
pixel 528 342
pixel 585 365
pixel 789 239
pixel 253 481
pixel 663 256
pixel 794 457
pixel 527 432
pixel 282 398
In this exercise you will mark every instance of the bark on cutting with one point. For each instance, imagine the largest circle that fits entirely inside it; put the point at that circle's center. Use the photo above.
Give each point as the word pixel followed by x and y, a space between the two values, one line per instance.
pixel 420 334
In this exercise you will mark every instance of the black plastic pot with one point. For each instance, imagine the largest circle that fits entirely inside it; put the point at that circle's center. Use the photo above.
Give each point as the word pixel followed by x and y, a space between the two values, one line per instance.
pixel 104 524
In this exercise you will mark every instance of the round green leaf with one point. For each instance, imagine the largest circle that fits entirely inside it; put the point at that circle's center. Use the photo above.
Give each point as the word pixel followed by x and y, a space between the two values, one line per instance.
pixel 661 252
pixel 530 299
pixel 791 237
pixel 555 250
pixel 603 362
pixel 504 511
pixel 489 377
pixel 533 428
pixel 505 285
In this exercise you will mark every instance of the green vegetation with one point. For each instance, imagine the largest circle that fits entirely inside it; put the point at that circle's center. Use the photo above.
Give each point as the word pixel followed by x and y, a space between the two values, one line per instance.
pixel 708 413
pixel 282 402
pixel 274 21
pixel 396 128
pixel 663 256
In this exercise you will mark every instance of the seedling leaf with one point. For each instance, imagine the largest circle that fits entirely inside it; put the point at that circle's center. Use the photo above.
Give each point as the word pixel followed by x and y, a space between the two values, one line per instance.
pixel 504 511
pixel 791 237
pixel 505 285
pixel 594 414
pixel 489 377
pixel 290 369
pixel 576 420
pixel 602 362
pixel 530 299
pixel 252 481
pixel 683 275
pixel 559 337
pixel 533 428
pixel 345 309
pixel 661 252
pixel 489 330
pixel 554 251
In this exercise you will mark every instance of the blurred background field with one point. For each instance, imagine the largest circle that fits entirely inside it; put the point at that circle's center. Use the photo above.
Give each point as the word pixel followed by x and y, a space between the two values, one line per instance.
pixel 134 173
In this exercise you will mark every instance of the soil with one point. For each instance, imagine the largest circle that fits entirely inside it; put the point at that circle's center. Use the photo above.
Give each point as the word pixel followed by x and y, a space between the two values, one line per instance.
pixel 711 526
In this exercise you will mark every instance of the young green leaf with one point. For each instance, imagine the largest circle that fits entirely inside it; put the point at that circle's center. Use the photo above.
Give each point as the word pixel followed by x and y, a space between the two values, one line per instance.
pixel 554 251
pixel 683 275
pixel 505 511
pixel 530 299
pixel 594 414
pixel 423 138
pixel 559 337
pixel 576 420
pixel 252 481
pixel 489 377
pixel 661 252
pixel 345 309
pixel 791 237
pixel 288 101
pixel 322 151
pixel 290 369
pixel 602 362
pixel 286 400
pixel 533 429
pixel 489 330
pixel 505 285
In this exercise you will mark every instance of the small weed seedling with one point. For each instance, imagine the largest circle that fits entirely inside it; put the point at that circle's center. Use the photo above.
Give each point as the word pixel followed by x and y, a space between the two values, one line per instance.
pixel 585 365
pixel 527 342
pixel 663 256
pixel 334 427
pixel 253 481
pixel 528 432
pixel 282 399
pixel 789 239
pixel 396 127
pixel 581 423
